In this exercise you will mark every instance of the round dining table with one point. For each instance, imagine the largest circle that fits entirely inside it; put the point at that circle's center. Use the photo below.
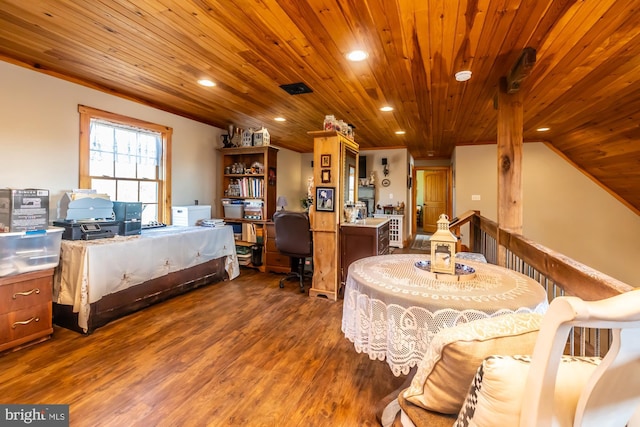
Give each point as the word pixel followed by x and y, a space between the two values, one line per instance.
pixel 393 306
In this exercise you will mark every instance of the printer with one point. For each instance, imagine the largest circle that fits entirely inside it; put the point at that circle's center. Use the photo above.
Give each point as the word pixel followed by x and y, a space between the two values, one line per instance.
pixel 86 215
pixel 129 215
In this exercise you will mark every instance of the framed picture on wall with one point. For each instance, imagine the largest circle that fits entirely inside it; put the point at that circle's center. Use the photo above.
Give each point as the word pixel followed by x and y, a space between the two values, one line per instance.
pixel 325 199
pixel 325 160
pixel 325 176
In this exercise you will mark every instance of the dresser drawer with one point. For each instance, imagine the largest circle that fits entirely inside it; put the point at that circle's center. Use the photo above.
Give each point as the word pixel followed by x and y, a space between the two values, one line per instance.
pixel 25 325
pixel 18 294
pixel 278 260
pixel 271 245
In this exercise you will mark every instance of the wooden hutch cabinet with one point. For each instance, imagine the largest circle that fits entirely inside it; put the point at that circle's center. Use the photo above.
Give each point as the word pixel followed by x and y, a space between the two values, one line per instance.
pixel 335 159
pixel 249 182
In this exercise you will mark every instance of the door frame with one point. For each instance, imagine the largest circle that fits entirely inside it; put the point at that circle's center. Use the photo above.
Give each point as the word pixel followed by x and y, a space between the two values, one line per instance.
pixel 414 193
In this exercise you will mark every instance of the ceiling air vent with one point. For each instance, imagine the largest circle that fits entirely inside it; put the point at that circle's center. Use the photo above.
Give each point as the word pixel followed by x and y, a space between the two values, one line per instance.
pixel 296 88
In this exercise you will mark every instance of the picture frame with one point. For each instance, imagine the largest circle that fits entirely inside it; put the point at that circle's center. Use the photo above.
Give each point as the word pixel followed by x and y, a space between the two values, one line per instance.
pixel 325 160
pixel 325 176
pixel 325 199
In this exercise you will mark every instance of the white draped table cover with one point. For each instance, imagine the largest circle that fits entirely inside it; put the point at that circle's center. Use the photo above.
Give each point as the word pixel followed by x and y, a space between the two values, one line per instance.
pixel 392 309
pixel 88 270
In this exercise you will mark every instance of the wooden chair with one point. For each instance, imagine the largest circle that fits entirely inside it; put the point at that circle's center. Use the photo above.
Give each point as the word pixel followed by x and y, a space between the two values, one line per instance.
pixel 605 392
pixel 612 393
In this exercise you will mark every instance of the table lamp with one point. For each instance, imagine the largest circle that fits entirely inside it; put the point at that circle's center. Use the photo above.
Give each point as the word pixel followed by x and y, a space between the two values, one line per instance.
pixel 443 248
pixel 281 202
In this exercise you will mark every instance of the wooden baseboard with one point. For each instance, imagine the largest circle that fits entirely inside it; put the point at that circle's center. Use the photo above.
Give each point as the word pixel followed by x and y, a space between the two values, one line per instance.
pixel 322 293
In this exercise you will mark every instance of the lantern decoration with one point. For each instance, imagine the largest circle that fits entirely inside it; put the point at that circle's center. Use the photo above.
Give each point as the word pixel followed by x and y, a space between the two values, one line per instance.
pixel 443 248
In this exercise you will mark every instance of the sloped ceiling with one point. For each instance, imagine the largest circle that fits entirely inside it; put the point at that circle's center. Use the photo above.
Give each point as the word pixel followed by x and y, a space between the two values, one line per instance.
pixel 584 85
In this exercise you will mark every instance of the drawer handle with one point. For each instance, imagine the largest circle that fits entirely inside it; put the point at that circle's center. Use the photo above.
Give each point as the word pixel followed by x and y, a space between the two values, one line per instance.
pixel 25 322
pixel 27 293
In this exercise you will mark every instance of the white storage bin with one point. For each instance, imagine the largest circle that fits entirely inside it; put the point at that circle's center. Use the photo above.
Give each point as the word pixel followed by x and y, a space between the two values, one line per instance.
pixel 190 215
pixel 25 251
pixel 233 208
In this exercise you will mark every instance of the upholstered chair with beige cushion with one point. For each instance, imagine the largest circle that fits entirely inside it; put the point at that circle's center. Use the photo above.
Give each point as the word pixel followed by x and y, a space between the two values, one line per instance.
pixel 549 388
pixel 452 359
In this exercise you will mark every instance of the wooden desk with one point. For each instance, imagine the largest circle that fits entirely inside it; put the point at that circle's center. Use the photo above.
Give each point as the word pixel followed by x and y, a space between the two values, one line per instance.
pixel 274 261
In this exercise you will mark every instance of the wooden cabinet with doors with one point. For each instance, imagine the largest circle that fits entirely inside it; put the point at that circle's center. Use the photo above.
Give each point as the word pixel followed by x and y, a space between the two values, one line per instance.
pixel 335 159
pixel 249 179
pixel 25 308
pixel 359 241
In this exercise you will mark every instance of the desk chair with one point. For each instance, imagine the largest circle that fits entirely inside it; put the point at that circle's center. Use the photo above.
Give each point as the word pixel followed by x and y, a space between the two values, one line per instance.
pixel 547 388
pixel 294 239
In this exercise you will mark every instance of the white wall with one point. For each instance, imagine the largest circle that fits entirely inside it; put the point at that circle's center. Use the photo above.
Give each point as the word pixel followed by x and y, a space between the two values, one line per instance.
pixel 397 160
pixel 567 211
pixel 39 125
pixel 475 173
pixel 563 209
pixel 289 173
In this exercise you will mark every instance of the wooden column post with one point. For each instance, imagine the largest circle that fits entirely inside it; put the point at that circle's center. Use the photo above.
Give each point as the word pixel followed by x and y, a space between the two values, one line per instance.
pixel 510 128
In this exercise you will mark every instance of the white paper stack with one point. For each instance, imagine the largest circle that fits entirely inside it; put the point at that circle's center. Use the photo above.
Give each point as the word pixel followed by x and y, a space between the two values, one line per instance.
pixel 213 222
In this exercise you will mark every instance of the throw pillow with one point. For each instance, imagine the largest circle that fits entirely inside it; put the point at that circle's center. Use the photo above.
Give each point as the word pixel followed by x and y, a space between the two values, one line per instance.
pixel 497 391
pixel 454 354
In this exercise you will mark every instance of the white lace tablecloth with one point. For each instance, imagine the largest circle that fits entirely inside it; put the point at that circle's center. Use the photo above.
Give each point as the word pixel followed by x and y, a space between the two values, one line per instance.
pixel 392 309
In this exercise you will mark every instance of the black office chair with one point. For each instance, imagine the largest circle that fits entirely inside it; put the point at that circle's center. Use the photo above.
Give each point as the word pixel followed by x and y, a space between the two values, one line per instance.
pixel 294 239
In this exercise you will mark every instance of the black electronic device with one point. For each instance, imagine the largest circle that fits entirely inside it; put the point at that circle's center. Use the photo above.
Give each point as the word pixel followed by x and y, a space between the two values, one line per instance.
pixel 88 230
pixel 362 167
pixel 153 224
pixel 130 216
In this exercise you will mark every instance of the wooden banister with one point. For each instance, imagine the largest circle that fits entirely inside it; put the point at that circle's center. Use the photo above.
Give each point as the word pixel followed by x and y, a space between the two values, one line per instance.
pixel 459 221
pixel 556 272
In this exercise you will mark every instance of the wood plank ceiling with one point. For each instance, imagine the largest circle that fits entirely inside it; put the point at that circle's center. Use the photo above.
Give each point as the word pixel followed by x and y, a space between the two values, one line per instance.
pixel 584 85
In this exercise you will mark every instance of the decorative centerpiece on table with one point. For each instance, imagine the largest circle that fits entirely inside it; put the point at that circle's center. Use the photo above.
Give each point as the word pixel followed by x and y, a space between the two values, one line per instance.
pixel 442 264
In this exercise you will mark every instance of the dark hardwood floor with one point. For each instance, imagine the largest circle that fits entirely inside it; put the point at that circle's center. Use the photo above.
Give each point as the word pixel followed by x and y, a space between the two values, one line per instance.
pixel 241 353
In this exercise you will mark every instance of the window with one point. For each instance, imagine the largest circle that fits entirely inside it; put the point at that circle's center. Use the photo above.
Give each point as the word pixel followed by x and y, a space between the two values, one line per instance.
pixel 127 159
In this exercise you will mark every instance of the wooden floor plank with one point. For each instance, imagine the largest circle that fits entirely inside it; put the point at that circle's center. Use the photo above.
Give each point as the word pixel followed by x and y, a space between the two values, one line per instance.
pixel 243 353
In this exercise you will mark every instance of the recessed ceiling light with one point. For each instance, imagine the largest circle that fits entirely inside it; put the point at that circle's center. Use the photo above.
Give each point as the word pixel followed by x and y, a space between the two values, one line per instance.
pixel 542 129
pixel 206 82
pixel 463 76
pixel 357 55
pixel 386 108
pixel 280 119
pixel 400 132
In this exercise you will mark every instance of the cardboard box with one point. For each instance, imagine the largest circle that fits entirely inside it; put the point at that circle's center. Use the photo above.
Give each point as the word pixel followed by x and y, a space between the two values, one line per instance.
pixel 190 215
pixel 23 210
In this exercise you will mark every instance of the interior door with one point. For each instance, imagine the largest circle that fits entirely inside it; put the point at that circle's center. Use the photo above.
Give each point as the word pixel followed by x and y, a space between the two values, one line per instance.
pixel 435 198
